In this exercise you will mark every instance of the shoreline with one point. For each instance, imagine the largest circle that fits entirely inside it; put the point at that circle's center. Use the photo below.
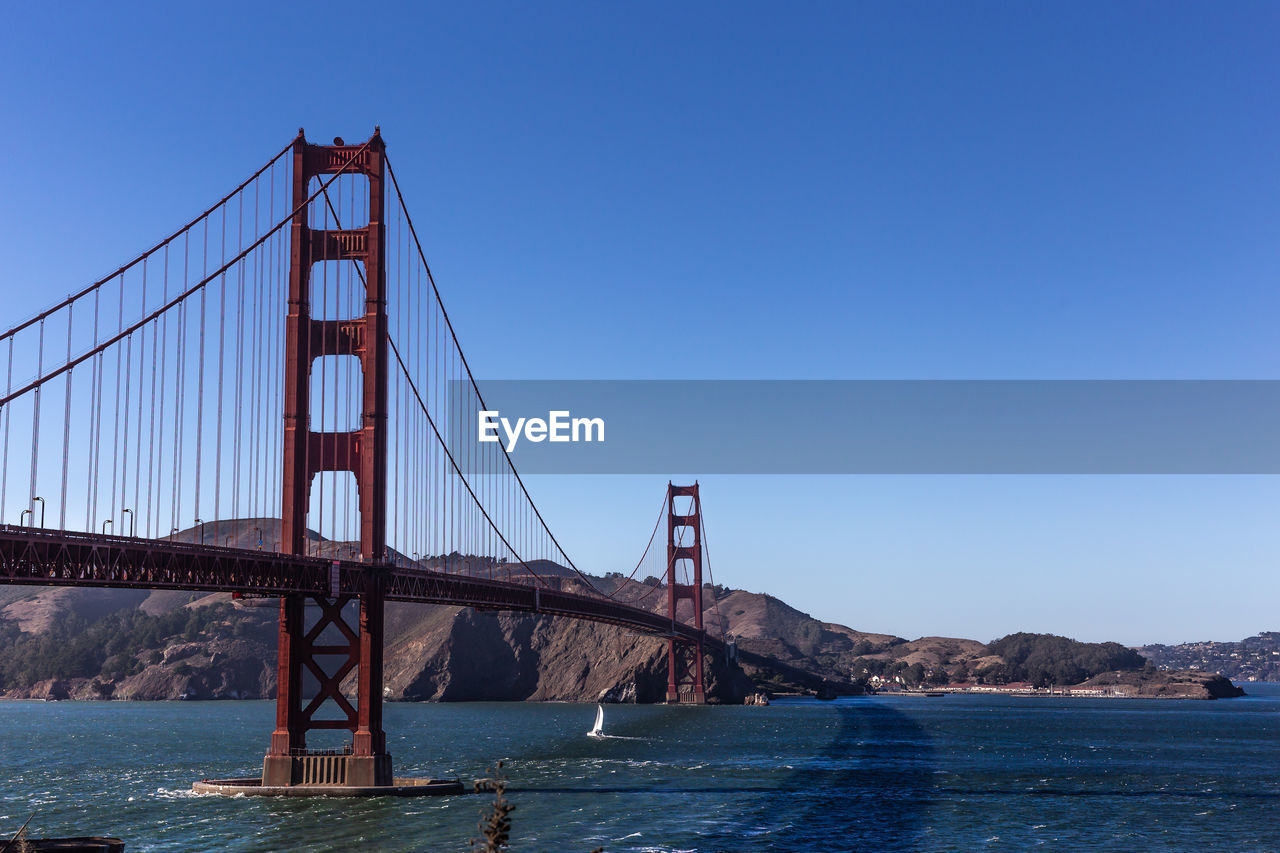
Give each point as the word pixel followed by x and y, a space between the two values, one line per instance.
pixel 938 692
pixel 1063 693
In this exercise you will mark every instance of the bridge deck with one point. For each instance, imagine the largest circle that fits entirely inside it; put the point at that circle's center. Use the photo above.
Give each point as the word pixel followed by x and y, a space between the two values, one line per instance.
pixel 37 556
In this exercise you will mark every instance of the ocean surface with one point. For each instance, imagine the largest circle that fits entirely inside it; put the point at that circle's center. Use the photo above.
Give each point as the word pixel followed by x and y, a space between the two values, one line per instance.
pixel 877 773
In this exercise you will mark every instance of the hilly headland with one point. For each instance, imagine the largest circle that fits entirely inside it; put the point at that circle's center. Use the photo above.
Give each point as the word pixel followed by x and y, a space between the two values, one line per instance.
pixel 77 643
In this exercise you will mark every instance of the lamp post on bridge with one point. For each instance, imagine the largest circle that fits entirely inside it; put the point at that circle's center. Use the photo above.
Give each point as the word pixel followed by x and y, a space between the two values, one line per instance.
pixel 200 524
pixel 33 500
pixel 22 516
pixel 104 526
pixel 133 523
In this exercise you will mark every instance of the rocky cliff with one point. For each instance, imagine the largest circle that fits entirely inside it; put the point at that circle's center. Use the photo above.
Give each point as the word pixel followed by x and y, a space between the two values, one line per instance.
pixel 456 654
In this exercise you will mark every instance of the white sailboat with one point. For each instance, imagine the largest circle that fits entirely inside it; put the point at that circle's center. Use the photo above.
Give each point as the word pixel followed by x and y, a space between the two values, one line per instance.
pixel 598 729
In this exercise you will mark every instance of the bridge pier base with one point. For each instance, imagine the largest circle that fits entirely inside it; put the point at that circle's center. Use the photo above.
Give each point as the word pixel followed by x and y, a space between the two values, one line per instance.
pixel 326 768
pixel 400 788
pixel 685 684
pixel 323 652
pixel 361 768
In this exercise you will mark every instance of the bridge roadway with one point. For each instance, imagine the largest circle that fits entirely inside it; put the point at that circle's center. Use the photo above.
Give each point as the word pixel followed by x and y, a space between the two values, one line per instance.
pixel 38 556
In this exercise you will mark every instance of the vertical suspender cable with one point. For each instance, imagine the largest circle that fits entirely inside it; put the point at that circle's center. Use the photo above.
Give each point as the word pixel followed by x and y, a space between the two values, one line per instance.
pixel 180 425
pixel 222 362
pixel 395 438
pixel 151 433
pixel 312 400
pixel 142 361
pixel 66 427
pixel 124 448
pixel 348 389
pixel 237 411
pixel 157 437
pixel 95 401
pixel 204 272
pixel 276 390
pixel 115 412
pixel 342 391
pixel 4 470
pixel 179 360
pixel 334 480
pixel 255 364
pixel 35 421
pixel 437 354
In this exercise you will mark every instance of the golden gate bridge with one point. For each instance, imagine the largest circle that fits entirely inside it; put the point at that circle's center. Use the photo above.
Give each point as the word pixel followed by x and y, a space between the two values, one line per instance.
pixel 286 355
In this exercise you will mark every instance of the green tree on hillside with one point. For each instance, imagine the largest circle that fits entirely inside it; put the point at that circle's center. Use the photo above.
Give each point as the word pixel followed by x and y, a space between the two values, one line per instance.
pixel 1046 659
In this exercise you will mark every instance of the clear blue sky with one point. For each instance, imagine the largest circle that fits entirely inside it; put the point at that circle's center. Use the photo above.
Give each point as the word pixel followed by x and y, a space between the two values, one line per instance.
pixel 909 190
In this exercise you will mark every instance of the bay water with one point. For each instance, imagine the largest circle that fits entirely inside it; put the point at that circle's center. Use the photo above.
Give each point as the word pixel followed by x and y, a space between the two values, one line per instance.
pixel 869 773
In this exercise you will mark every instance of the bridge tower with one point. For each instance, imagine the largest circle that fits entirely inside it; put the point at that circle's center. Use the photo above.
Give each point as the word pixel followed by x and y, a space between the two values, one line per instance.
pixel 363 452
pixel 685 684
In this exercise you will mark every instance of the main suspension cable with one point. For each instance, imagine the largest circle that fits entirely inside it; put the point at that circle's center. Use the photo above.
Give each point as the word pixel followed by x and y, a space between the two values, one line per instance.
pixel 413 387
pixel 462 357
pixel 180 298
pixel 75 297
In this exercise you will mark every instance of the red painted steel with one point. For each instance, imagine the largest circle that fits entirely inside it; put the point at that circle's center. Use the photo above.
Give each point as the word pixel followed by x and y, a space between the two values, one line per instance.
pixel 40 557
pixel 363 452
pixel 685 682
pixel 36 556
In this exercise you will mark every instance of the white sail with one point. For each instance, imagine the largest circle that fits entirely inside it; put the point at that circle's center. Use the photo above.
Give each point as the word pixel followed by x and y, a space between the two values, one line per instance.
pixel 598 730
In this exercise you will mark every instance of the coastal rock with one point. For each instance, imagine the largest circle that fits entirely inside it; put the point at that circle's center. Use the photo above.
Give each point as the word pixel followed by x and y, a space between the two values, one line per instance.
pixel 1157 684
pixel 50 689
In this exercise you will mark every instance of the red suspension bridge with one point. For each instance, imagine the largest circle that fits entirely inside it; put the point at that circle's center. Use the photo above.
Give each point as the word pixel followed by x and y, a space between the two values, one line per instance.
pixel 286 355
